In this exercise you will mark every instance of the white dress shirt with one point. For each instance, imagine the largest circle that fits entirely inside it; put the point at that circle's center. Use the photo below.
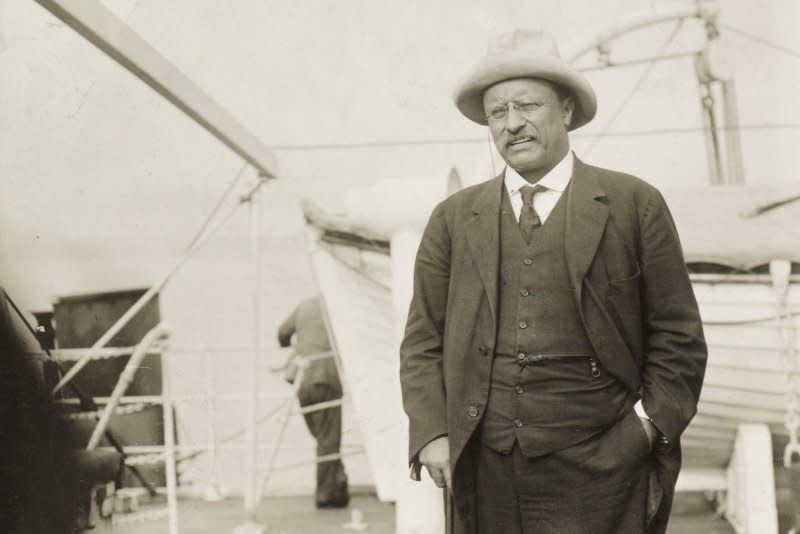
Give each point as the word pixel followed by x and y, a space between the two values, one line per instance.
pixel 544 201
pixel 556 182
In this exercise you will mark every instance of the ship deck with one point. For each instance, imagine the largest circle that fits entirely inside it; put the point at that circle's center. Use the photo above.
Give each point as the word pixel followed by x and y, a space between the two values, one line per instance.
pixel 290 515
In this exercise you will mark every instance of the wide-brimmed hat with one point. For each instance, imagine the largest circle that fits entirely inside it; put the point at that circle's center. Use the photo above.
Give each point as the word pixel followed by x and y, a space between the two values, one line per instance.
pixel 524 54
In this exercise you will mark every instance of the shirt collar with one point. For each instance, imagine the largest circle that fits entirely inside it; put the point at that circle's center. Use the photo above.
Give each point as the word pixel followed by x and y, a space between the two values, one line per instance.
pixel 555 180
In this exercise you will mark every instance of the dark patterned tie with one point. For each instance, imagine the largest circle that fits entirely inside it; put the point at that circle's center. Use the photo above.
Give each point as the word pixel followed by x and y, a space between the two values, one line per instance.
pixel 528 218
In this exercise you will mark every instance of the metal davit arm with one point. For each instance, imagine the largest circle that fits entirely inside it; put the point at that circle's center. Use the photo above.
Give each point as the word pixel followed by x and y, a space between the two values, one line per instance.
pixel 702 9
pixel 106 31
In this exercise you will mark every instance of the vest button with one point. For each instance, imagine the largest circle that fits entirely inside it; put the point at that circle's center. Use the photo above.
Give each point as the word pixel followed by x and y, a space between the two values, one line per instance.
pixel 525 292
pixel 527 261
pixel 517 423
pixel 483 350
pixel 472 411
pixel 523 324
pixel 518 389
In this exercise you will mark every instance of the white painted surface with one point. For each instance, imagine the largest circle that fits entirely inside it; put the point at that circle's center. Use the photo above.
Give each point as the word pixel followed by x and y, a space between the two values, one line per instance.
pixel 751 506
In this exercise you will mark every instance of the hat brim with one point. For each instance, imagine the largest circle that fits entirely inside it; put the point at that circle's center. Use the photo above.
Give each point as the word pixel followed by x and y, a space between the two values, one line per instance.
pixel 496 68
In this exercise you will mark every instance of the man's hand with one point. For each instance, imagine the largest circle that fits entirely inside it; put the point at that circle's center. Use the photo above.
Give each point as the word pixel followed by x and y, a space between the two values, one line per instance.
pixel 435 456
pixel 649 429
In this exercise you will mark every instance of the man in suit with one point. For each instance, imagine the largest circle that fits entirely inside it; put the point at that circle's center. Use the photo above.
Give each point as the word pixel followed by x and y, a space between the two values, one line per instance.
pixel 554 351
pixel 320 383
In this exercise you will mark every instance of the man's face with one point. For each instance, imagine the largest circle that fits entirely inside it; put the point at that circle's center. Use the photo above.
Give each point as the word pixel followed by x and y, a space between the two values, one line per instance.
pixel 528 123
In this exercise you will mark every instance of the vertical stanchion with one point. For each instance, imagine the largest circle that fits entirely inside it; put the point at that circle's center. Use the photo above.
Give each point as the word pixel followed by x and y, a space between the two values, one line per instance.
pixel 169 446
pixel 213 491
pixel 252 479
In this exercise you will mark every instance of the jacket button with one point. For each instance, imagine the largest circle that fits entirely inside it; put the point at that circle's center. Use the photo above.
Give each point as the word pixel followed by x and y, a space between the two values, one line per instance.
pixel 523 324
pixel 521 356
pixel 527 261
pixel 472 411
pixel 518 389
pixel 524 292
pixel 483 350
pixel 517 423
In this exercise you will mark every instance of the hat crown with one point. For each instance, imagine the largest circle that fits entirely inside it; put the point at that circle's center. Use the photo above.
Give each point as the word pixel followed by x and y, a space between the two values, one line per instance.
pixel 534 42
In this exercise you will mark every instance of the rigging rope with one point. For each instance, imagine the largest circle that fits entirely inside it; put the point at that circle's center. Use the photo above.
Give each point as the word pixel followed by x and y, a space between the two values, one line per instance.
pixel 635 88
pixel 390 143
pixel 765 42
pixel 217 207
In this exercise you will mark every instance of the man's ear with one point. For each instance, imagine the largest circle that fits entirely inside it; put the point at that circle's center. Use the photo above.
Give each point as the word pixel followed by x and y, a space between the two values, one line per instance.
pixel 567 108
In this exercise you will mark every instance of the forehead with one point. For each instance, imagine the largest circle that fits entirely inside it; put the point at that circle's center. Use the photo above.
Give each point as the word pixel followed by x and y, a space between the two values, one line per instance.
pixel 517 88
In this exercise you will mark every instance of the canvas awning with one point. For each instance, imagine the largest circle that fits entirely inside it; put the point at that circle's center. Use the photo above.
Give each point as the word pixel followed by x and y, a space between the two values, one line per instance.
pixel 738 226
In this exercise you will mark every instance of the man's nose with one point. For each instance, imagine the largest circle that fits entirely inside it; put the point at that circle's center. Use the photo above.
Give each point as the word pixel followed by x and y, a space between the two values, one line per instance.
pixel 514 120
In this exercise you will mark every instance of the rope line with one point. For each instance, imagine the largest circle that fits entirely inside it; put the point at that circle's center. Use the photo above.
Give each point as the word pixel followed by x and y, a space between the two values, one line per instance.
pixel 220 202
pixel 635 88
pixel 66 355
pixel 94 414
pixel 146 459
pixel 765 42
pixel 580 135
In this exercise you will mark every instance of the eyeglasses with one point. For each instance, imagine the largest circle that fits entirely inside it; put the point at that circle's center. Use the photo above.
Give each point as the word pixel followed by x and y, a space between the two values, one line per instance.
pixel 500 113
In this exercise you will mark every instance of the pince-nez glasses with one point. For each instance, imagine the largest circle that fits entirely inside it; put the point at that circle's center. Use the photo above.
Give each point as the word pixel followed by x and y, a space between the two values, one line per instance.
pixel 500 113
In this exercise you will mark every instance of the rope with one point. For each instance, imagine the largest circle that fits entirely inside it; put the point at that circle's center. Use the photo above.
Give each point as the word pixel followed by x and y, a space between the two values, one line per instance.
pixel 396 143
pixel 138 305
pixel 145 459
pixel 69 355
pixel 219 204
pixel 788 313
pixel 760 40
pixel 635 88
pixel 95 414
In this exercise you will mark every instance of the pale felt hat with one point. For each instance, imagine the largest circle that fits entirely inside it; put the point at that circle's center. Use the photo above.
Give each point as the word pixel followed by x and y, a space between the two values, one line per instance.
pixel 524 54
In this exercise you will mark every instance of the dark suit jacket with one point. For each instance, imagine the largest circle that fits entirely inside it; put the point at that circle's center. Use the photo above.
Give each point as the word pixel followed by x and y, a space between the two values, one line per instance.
pixel 630 284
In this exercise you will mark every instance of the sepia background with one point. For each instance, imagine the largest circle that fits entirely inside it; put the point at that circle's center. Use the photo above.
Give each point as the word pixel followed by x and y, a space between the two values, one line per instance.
pixel 103 183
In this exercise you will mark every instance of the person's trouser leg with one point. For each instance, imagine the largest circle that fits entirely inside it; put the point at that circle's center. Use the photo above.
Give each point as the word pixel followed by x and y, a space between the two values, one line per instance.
pixel 595 487
pixel 326 427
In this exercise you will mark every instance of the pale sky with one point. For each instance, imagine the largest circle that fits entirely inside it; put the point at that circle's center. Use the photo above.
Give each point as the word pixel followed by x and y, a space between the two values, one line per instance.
pixel 104 182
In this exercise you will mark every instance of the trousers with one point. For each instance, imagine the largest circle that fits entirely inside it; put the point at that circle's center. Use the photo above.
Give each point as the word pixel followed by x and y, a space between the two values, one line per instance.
pixel 598 486
pixel 326 427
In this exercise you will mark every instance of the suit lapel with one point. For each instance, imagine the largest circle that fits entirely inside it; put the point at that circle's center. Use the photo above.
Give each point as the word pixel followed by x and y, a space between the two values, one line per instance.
pixel 586 221
pixel 483 237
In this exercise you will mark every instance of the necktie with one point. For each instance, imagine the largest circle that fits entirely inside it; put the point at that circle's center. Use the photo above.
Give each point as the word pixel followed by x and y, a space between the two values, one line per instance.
pixel 528 218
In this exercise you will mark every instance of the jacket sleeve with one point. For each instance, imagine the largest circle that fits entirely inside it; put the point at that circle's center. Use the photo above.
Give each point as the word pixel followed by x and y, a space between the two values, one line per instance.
pixel 287 329
pixel 675 348
pixel 421 351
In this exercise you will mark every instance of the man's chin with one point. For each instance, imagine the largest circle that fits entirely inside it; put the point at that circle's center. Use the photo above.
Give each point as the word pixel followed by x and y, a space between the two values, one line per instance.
pixel 523 164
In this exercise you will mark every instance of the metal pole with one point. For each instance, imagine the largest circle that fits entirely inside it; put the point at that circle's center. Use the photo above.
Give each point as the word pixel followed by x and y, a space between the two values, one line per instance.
pixel 252 418
pixel 733 143
pixel 710 133
pixel 169 449
pixel 251 489
pixel 212 492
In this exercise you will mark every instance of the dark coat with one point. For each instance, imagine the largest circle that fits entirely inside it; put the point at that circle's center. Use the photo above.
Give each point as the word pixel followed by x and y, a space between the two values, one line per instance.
pixel 631 287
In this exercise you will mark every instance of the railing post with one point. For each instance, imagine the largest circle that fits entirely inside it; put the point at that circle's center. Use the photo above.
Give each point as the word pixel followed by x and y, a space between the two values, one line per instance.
pixel 212 492
pixel 169 448
pixel 252 480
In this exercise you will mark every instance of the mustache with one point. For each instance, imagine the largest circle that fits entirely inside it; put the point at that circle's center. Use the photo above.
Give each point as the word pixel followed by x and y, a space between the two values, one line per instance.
pixel 521 137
